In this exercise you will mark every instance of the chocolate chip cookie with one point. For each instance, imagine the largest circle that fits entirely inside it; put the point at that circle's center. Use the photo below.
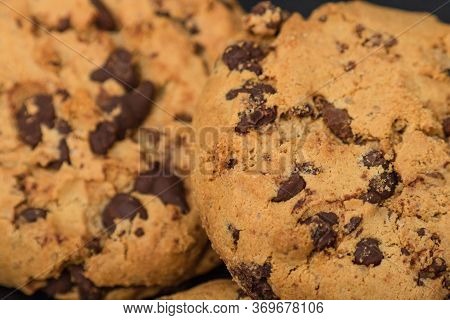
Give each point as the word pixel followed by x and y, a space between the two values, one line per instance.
pixel 96 97
pixel 328 176
pixel 222 289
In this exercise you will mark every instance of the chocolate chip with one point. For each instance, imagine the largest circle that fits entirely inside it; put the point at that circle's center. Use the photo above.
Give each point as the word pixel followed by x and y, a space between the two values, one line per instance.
pixel 368 252
pixel 446 127
pixel 373 41
pixel 436 269
pixel 59 285
pixel 349 66
pixel 254 280
pixel 64 156
pixel 119 66
pixel 63 126
pixel 421 232
pixel 235 233
pixel 341 46
pixel 389 43
pixel 139 232
pixel 290 188
pixel 338 121
pixel 258 118
pixel 244 56
pixel 94 246
pixel 322 233
pixel 323 18
pixel 63 24
pixel 86 288
pixel 163 183
pixel 405 251
pixel 29 121
pixel 183 117
pixel 104 19
pixel 256 90
pixel 381 187
pixel 122 206
pixel 352 224
pixel 103 137
pixel 231 163
pixel 266 6
pixel 446 281
pixel 436 239
pixel 359 29
pixel 31 215
pixel 375 158
pixel 199 49
pixel 308 168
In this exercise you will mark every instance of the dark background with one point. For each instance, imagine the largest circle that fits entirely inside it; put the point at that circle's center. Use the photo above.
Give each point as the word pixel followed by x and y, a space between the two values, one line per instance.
pixel 305 7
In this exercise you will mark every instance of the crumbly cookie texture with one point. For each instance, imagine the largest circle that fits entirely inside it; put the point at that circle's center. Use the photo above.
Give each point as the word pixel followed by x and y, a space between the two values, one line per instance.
pixel 222 289
pixel 329 177
pixel 91 92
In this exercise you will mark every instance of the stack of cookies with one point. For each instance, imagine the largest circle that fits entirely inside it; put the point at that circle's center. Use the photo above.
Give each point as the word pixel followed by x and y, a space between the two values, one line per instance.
pixel 146 143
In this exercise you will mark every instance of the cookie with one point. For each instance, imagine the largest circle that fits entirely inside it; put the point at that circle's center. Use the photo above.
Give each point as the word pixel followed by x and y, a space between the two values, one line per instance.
pixel 222 289
pixel 97 98
pixel 328 176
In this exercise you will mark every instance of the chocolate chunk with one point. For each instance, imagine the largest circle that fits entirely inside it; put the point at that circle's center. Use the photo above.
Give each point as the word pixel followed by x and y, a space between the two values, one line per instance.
pixel 290 188
pixel 94 245
pixel 260 117
pixel 421 232
pixel 163 183
pixel 183 117
pixel 104 19
pixel 103 137
pixel 308 168
pixel 119 66
pixel 244 56
pixel 352 224
pixel 29 119
pixel 31 215
pixel 349 66
pixel 256 90
pixel 231 163
pixel 338 121
pixel 375 158
pixel 322 232
pixel 368 252
pixel 320 102
pixel 381 187
pixel 59 285
pixel 446 127
pixel 235 233
pixel 436 269
pixel 64 156
pixel 254 279
pixel 139 232
pixel 63 24
pixel 122 206
pixel 86 288
pixel 63 126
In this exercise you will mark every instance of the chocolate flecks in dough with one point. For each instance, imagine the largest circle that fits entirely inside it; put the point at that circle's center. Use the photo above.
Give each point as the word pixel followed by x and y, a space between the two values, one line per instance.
pixel 322 232
pixel 32 215
pixel 231 163
pixel 63 126
pixel 183 117
pixel 163 183
pixel 375 158
pixel 64 156
pixel 244 56
pixel 352 224
pixel 368 252
pixel 302 111
pixel 235 233
pixel 40 111
pixel 254 279
pixel 139 232
pixel 119 66
pixel 104 19
pixel 349 66
pixel 308 168
pixel 256 119
pixel 103 137
pixel 421 232
pixel 341 46
pixel 86 288
pixel 405 251
pixel 436 269
pixel 381 187
pixel 60 285
pixel 65 95
pixel 256 90
pixel 122 206
pixel 290 188
pixel 338 121
pixel 446 127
